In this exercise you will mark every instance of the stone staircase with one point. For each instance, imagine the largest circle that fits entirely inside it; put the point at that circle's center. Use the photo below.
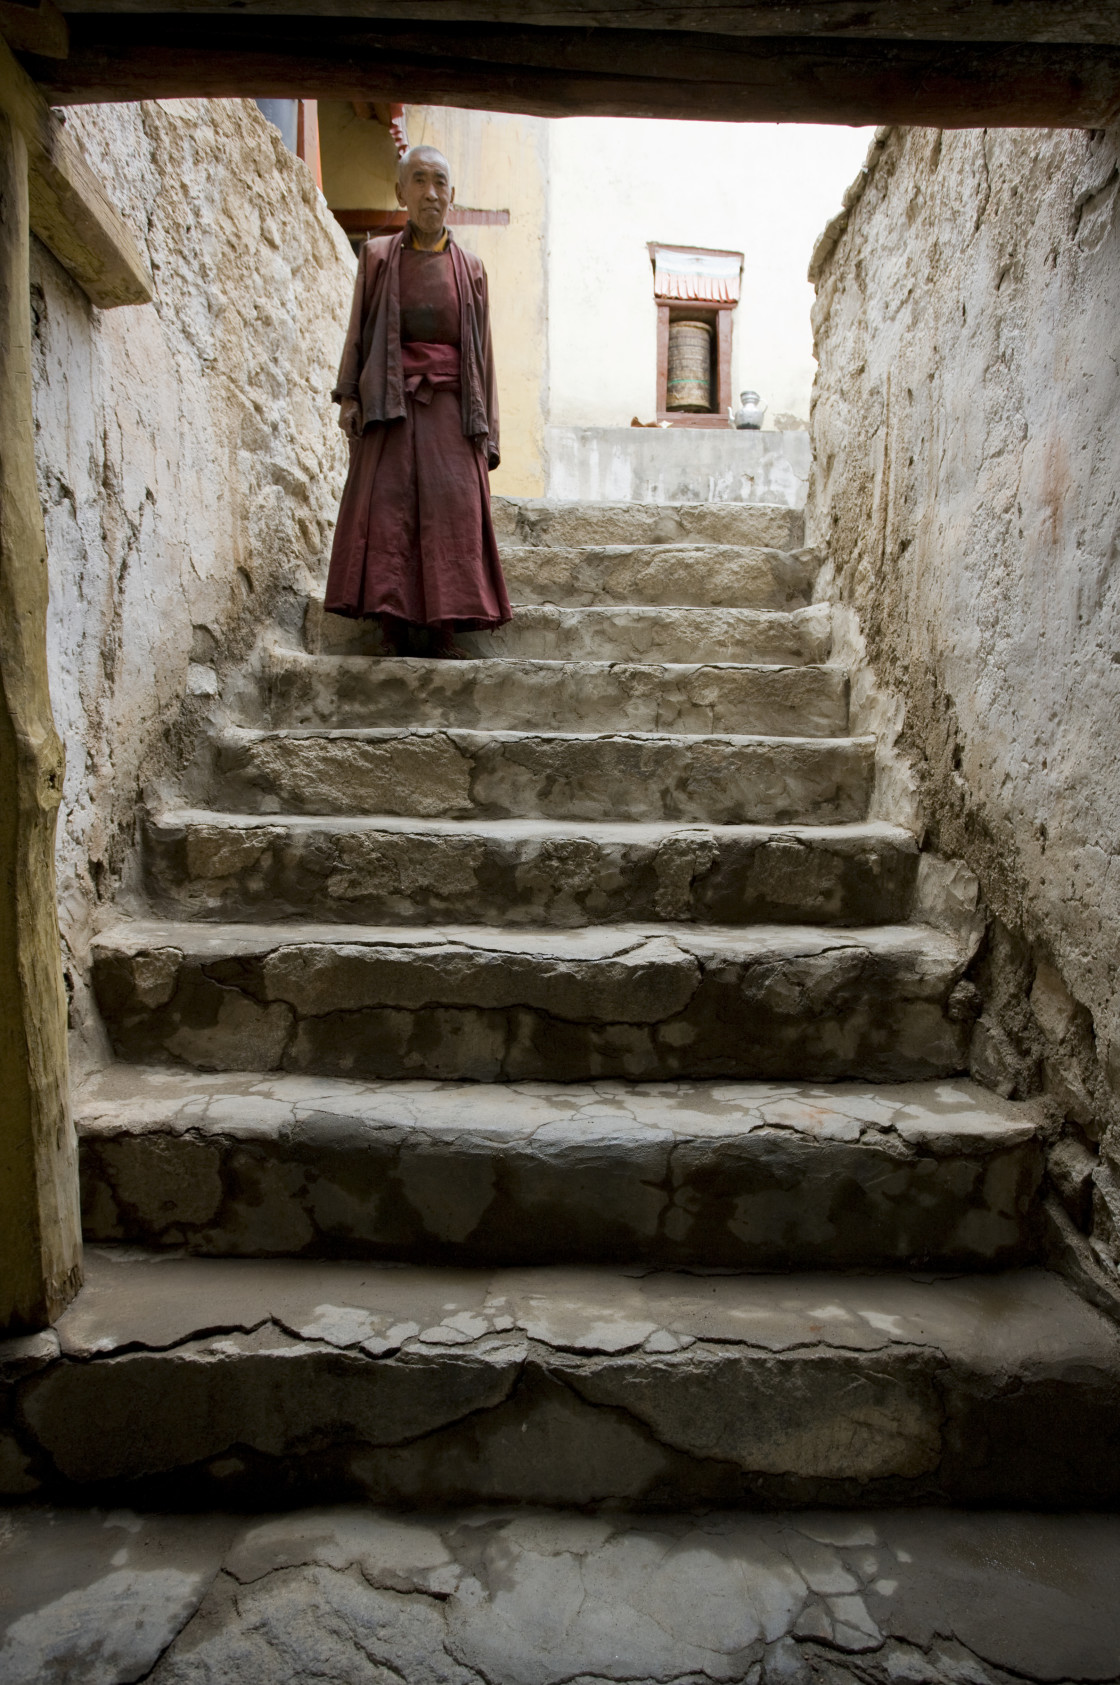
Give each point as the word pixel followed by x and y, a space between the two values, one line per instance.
pixel 539 1081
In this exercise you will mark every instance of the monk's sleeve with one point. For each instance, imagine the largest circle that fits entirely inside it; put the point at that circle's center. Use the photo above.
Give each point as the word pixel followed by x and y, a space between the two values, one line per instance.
pixel 351 365
pixel 493 454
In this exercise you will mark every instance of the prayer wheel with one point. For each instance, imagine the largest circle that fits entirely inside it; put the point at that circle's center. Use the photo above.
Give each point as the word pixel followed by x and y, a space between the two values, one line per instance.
pixel 689 386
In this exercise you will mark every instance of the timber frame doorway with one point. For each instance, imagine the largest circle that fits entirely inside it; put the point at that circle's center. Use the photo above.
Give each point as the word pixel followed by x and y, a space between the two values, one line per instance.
pixel 941 63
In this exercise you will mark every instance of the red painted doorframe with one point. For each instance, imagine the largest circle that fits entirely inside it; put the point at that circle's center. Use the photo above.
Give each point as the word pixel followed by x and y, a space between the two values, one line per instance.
pixel 307 138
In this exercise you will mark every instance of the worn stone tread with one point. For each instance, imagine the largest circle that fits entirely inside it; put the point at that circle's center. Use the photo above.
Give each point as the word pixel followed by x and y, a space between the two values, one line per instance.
pixel 627 632
pixel 686 575
pixel 772 942
pixel 391 869
pixel 806 700
pixel 542 521
pixel 489 1003
pixel 507 1596
pixel 741 1175
pixel 717 778
pixel 242 1380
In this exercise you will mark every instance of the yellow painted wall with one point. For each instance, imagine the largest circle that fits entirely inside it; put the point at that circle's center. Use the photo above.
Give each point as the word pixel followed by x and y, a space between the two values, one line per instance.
pixel 500 163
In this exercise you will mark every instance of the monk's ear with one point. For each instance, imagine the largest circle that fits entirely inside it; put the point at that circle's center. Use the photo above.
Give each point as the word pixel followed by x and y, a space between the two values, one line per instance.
pixel 451 201
pixel 400 195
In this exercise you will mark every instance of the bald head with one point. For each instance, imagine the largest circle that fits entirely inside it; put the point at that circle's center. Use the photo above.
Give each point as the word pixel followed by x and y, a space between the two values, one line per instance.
pixel 424 156
pixel 424 190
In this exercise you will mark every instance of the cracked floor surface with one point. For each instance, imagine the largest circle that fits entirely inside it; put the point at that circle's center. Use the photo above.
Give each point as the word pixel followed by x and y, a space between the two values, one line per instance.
pixel 537 1597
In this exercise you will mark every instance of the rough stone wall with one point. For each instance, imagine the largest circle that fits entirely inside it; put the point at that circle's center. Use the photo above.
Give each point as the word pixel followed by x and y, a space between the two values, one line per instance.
pixel 189 458
pixel 966 484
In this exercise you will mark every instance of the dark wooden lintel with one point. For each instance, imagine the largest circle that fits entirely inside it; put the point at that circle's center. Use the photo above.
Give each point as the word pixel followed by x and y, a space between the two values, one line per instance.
pixel 34 26
pixel 1092 22
pixel 558 72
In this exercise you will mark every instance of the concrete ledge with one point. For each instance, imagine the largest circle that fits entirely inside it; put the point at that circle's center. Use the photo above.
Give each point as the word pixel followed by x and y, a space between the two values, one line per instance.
pixel 343 691
pixel 666 575
pixel 677 465
pixel 379 870
pixel 547 632
pixel 243 1382
pixel 485 1004
pixel 726 1175
pixel 453 773
pixel 539 520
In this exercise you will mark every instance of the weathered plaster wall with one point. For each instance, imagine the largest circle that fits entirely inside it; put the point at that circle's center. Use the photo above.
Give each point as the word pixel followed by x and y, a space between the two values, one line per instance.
pixel 188 453
pixel 966 483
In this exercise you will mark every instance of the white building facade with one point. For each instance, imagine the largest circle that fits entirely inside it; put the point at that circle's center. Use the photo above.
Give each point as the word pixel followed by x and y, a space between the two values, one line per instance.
pixel 615 185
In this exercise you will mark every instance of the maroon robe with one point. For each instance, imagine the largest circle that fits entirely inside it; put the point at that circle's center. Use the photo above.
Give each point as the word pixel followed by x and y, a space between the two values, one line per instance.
pixel 414 537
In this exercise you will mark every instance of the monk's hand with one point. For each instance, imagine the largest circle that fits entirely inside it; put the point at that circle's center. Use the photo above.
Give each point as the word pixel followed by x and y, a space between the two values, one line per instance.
pixel 350 417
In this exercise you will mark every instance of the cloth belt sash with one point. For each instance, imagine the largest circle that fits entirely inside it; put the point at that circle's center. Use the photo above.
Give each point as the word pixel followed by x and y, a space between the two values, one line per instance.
pixel 429 368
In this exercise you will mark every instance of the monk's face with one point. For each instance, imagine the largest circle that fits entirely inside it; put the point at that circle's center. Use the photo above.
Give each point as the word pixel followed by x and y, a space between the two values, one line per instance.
pixel 424 189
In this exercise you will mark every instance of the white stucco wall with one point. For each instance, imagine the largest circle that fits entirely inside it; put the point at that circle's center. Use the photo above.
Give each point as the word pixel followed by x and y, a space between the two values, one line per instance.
pixel 677 465
pixel 615 184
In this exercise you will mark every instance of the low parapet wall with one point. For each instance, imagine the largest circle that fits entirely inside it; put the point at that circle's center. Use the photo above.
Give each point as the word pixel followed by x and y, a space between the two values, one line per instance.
pixel 677 465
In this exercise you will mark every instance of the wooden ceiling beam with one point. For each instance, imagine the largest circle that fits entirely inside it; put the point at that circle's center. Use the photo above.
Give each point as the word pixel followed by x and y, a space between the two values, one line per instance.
pixel 70 211
pixel 34 26
pixel 1063 22
pixel 560 72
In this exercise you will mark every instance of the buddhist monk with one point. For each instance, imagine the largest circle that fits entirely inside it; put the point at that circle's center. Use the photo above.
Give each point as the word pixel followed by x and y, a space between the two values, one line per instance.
pixel 414 545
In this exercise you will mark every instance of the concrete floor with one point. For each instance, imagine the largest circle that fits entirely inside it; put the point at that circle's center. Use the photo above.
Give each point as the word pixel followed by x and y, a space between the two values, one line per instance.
pixel 354 1596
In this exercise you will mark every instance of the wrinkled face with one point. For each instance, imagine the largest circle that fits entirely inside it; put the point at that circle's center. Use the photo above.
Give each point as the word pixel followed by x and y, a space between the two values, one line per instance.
pixel 424 189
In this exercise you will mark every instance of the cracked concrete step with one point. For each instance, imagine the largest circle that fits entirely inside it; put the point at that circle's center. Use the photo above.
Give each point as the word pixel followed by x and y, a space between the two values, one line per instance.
pixel 482 1003
pixel 732 1175
pixel 538 521
pixel 246 1382
pixel 523 871
pixel 542 631
pixel 720 779
pixel 684 575
pixel 584 696
pixel 512 1596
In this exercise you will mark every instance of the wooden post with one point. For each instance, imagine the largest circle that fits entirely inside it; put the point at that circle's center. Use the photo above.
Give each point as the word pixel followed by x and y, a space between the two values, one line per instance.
pixel 307 138
pixel 662 361
pixel 40 1230
pixel 724 397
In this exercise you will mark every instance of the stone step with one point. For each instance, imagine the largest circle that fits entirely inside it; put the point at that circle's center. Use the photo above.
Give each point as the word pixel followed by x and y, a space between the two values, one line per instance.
pixel 523 871
pixel 543 632
pixel 242 1382
pixel 484 1004
pixel 525 1595
pixel 538 521
pixel 584 696
pixel 682 575
pixel 545 774
pixel 725 1175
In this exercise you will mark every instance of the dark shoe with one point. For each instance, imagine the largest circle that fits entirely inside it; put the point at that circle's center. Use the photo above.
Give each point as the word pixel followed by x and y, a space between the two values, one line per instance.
pixel 444 647
pixel 395 638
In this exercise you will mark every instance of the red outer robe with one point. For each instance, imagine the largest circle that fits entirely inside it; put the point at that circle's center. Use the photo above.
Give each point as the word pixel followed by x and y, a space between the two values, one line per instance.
pixel 414 537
